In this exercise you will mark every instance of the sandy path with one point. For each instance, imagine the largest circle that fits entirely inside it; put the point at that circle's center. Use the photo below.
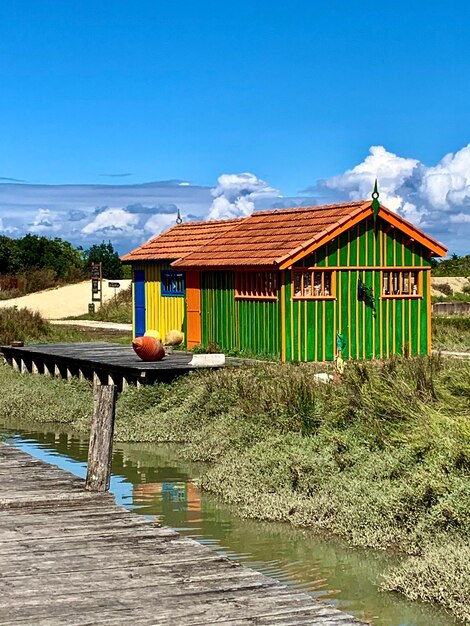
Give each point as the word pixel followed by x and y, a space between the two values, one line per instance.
pixel 62 301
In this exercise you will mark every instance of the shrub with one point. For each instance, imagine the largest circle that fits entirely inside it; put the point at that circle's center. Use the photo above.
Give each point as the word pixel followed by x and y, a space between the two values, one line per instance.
pixel 444 288
pixel 22 325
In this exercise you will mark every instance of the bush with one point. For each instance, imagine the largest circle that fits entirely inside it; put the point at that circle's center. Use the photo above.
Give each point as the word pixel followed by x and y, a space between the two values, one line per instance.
pixel 117 309
pixel 22 325
pixel 444 288
pixel 441 575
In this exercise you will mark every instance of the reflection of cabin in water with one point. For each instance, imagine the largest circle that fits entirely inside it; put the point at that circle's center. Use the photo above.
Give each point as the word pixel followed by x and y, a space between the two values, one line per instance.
pixel 287 282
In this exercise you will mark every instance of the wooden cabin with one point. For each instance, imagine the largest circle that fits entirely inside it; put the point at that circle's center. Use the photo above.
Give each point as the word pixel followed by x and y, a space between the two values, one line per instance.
pixel 297 284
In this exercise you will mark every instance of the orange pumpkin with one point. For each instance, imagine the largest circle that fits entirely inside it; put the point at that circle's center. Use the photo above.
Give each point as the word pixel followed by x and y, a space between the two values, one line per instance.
pixel 148 348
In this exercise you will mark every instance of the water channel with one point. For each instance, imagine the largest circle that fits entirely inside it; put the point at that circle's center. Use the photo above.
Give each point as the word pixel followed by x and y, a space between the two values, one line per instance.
pixel 152 480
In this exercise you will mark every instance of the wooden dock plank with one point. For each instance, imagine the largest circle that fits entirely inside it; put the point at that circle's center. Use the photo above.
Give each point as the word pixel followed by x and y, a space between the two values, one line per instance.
pixel 100 361
pixel 68 556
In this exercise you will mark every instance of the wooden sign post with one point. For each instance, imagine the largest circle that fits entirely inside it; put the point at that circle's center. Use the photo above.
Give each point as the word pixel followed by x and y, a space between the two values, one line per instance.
pixel 97 282
pixel 100 450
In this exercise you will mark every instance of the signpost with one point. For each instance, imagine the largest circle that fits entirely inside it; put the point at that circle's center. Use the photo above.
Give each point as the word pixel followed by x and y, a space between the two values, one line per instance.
pixel 115 286
pixel 96 283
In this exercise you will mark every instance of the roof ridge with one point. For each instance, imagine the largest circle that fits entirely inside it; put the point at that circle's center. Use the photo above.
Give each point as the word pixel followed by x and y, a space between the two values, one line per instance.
pixel 196 222
pixel 312 207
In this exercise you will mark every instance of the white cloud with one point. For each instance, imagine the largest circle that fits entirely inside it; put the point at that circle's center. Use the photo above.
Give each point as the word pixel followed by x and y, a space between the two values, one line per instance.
pixel 45 221
pixel 159 222
pixel 460 218
pixel 447 185
pixel 391 170
pixel 74 207
pixel 436 198
pixel 112 220
pixel 237 195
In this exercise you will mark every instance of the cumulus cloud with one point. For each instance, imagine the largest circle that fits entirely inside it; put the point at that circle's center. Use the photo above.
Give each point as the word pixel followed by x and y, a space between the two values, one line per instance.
pixel 435 197
pixel 111 221
pixel 159 222
pixel 44 222
pixel 237 195
pixel 392 171
pixel 73 208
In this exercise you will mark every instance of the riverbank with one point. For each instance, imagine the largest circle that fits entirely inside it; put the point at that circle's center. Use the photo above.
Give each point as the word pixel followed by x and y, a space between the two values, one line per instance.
pixel 381 459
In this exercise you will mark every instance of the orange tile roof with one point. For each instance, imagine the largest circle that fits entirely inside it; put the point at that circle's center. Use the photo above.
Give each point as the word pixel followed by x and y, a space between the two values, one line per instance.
pixel 179 241
pixel 265 238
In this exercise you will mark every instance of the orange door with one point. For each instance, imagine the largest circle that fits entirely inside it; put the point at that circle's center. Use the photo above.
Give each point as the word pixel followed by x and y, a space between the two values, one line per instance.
pixel 193 309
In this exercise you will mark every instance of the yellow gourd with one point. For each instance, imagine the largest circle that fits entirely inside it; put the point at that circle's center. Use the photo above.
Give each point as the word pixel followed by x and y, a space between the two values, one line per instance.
pixel 174 338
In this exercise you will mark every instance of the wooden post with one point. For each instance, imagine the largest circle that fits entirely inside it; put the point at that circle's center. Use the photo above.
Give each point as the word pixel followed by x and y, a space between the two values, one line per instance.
pixel 101 438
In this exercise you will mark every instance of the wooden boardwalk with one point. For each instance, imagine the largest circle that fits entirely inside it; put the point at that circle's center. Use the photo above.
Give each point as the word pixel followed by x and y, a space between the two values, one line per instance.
pixel 106 363
pixel 68 556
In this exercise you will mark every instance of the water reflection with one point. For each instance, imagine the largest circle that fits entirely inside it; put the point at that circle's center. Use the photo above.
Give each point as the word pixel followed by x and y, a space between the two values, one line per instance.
pixel 154 481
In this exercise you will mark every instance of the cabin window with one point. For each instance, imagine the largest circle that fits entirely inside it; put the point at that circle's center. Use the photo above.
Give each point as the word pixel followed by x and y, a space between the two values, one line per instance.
pixel 256 285
pixel 311 284
pixel 172 283
pixel 401 284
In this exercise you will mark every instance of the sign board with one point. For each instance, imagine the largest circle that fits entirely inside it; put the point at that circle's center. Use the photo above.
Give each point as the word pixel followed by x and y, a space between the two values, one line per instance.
pixel 114 285
pixel 96 282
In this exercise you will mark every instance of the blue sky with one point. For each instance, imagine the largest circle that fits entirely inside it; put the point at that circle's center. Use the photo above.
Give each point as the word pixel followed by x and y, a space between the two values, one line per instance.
pixel 105 106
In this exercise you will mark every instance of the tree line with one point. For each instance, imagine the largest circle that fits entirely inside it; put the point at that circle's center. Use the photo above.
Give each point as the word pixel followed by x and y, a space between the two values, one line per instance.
pixel 40 258
pixel 454 266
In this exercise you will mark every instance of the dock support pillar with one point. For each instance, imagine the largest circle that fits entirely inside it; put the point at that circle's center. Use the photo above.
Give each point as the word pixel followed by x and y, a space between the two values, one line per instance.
pixel 101 438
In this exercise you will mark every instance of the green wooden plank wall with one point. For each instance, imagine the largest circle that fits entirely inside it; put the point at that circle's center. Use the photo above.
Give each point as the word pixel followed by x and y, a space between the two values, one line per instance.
pixel 244 325
pixel 397 324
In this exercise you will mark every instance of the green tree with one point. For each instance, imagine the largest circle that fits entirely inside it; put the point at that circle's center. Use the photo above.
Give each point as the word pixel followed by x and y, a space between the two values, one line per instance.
pixel 107 255
pixel 455 266
pixel 8 255
pixel 56 255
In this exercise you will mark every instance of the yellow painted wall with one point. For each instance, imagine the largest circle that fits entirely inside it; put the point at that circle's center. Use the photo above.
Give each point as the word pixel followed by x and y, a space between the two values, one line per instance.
pixel 162 313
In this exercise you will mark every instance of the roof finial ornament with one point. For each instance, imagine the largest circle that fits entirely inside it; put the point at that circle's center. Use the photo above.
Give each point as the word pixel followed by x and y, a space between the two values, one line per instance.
pixel 375 200
pixel 179 219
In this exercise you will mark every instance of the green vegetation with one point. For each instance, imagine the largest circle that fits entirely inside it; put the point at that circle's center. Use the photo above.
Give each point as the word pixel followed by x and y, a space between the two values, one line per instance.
pixel 105 254
pixel 455 297
pixel 381 458
pixel 451 333
pixel 455 266
pixel 117 309
pixel 24 325
pixel 33 263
